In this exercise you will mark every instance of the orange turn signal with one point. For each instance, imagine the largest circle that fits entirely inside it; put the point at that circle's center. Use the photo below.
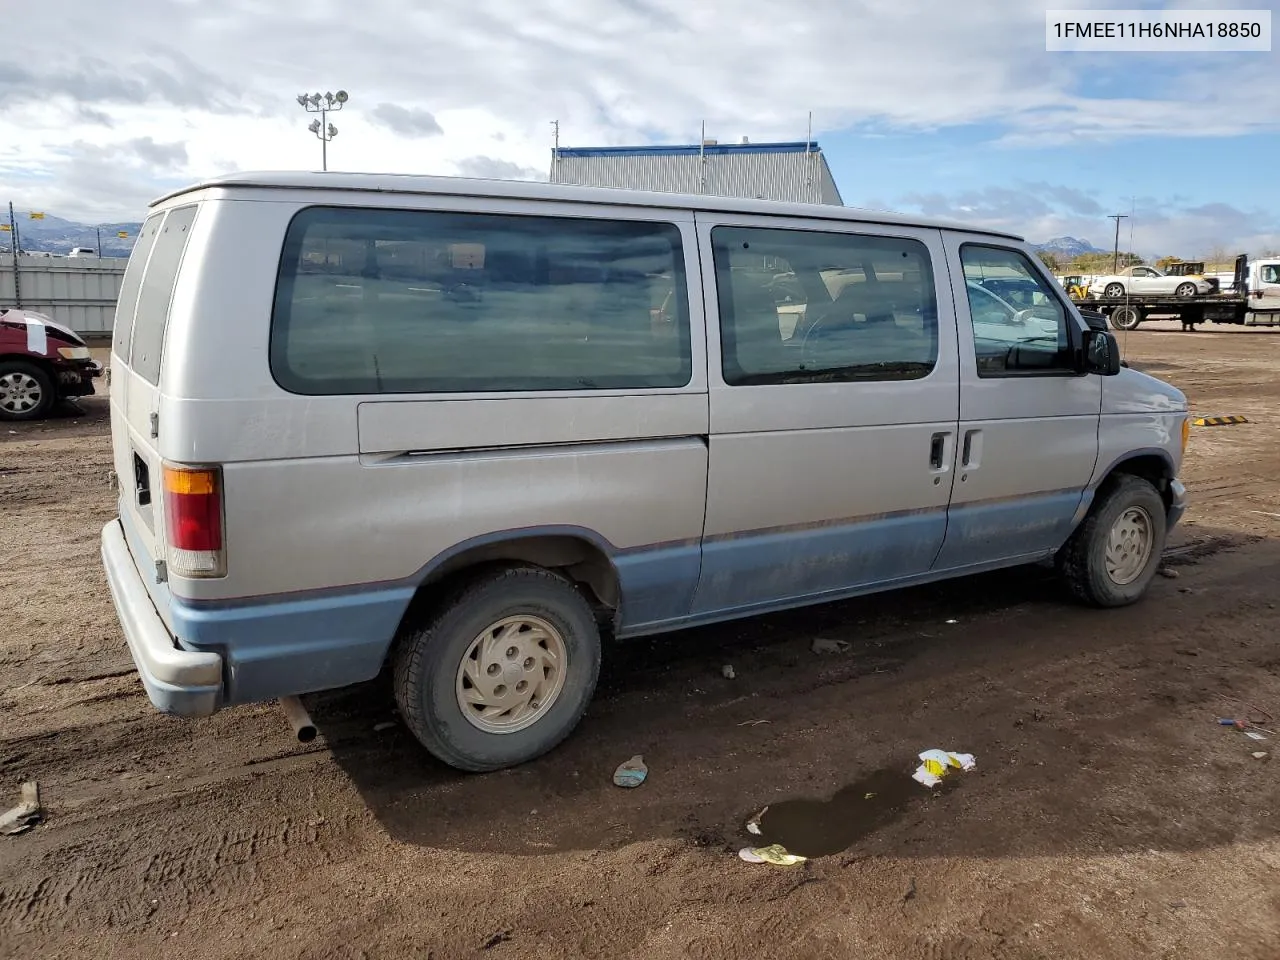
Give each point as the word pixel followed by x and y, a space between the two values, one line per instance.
pixel 189 482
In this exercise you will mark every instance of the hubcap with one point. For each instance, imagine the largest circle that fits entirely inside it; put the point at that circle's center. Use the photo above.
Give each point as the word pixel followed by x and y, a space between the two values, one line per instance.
pixel 19 393
pixel 1129 546
pixel 511 674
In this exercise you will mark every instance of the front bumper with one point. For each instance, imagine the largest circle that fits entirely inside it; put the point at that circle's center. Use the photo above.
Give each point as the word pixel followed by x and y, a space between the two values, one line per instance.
pixel 75 379
pixel 1177 503
pixel 182 682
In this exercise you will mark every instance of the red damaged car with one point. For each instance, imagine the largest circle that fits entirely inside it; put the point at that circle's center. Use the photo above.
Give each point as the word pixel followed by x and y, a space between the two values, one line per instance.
pixel 41 362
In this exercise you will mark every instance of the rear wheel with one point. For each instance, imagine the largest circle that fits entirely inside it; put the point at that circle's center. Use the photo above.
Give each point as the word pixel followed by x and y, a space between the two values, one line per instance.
pixel 1110 560
pixel 503 670
pixel 1185 290
pixel 1113 290
pixel 26 391
pixel 1126 318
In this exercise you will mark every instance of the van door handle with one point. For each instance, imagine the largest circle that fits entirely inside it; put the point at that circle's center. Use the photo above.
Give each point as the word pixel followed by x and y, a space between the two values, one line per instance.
pixel 937 450
pixel 971 455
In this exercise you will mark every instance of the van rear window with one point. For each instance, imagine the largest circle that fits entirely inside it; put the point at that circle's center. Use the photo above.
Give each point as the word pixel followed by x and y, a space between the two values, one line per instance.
pixel 127 302
pixel 157 293
pixel 408 301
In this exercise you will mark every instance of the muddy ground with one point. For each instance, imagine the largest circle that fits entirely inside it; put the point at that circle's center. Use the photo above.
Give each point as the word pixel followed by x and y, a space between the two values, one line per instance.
pixel 1108 816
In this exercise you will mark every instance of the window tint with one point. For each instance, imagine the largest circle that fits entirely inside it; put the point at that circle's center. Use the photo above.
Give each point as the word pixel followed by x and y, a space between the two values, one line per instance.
pixel 1019 326
pixel 127 302
pixel 157 292
pixel 406 301
pixel 805 307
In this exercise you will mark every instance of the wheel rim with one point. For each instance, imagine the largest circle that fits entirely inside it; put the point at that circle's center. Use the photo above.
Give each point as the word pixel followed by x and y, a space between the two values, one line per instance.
pixel 1115 290
pixel 19 392
pixel 1129 546
pixel 1125 319
pixel 1186 290
pixel 511 674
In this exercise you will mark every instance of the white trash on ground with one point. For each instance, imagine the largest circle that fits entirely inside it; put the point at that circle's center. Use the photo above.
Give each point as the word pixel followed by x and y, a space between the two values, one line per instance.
pixel 936 764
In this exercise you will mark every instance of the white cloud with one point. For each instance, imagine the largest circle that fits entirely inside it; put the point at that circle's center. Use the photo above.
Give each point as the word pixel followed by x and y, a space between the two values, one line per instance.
pixel 1156 226
pixel 435 88
pixel 490 168
pixel 406 122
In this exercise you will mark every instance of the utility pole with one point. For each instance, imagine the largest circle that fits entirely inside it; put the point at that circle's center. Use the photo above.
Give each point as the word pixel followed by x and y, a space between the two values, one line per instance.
pixel 323 104
pixel 1117 217
pixel 13 246
pixel 98 231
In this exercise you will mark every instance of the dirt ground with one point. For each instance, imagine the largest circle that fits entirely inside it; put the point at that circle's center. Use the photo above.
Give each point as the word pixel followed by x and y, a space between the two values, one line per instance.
pixel 1108 816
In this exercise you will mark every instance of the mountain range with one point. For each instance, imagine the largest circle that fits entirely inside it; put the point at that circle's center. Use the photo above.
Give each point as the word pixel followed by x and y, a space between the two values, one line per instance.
pixel 55 235
pixel 1067 247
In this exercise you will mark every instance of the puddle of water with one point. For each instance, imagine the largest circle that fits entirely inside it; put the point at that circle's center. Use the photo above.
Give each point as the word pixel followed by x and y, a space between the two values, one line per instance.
pixel 820 828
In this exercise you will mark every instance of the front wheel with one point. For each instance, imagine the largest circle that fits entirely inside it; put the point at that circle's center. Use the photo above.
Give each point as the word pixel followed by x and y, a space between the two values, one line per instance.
pixel 1110 560
pixel 503 670
pixel 26 391
pixel 1113 290
pixel 1185 290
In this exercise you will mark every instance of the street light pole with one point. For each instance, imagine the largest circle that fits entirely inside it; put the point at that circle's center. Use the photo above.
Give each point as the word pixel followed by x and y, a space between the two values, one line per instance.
pixel 323 104
pixel 1117 217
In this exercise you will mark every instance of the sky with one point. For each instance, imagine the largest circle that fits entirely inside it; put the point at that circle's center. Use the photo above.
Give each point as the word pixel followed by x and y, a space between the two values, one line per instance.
pixel 920 106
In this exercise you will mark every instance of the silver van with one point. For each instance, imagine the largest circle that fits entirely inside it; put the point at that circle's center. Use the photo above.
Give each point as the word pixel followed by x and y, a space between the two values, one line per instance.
pixel 460 429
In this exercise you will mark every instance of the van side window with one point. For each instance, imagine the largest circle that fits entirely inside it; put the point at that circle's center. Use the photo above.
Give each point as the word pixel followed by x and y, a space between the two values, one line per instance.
pixel 799 306
pixel 409 301
pixel 157 293
pixel 1270 273
pixel 127 301
pixel 1019 326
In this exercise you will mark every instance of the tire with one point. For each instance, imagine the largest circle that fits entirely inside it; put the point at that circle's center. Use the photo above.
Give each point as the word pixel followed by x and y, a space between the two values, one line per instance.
pixel 1083 561
pixel 1113 290
pixel 1185 290
pixel 430 679
pixel 26 391
pixel 1126 318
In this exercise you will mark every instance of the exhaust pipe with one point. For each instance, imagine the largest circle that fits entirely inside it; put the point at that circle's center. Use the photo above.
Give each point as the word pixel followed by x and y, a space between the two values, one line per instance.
pixel 299 719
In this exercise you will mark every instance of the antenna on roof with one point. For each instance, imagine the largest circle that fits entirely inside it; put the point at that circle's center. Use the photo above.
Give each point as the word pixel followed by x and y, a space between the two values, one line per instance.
pixel 555 151
pixel 702 159
pixel 808 162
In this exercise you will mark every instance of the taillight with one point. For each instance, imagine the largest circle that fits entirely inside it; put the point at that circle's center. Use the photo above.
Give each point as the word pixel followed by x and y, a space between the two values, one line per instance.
pixel 193 521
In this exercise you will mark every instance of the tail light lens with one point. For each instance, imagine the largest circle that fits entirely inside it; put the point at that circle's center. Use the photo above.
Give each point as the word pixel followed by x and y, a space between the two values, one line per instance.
pixel 193 521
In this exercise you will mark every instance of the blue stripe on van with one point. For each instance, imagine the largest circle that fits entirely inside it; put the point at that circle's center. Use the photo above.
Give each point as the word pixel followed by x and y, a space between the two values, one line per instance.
pixel 275 646
pixel 1016 526
pixel 657 583
pixel 272 648
pixel 761 567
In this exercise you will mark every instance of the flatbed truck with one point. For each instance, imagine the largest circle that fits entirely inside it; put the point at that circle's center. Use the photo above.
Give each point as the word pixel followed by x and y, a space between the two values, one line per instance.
pixel 1253 299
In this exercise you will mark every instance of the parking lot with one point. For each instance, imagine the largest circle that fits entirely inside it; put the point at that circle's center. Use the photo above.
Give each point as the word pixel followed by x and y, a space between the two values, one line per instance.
pixel 1109 814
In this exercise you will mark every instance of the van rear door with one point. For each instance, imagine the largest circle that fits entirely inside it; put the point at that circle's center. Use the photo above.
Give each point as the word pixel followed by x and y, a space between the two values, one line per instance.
pixel 142 318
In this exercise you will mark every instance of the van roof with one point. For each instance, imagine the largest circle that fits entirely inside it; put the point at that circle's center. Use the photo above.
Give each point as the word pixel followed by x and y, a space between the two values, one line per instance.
pixel 536 190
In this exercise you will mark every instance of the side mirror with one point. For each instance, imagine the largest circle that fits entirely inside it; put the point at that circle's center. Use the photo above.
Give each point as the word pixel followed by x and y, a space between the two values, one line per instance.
pixel 1101 354
pixel 1022 317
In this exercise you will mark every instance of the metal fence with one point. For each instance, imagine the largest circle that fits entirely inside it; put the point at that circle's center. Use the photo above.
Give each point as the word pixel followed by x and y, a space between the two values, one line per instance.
pixel 77 293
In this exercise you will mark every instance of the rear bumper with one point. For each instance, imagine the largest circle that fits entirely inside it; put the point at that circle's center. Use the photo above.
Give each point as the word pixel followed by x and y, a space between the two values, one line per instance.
pixel 1177 503
pixel 182 682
